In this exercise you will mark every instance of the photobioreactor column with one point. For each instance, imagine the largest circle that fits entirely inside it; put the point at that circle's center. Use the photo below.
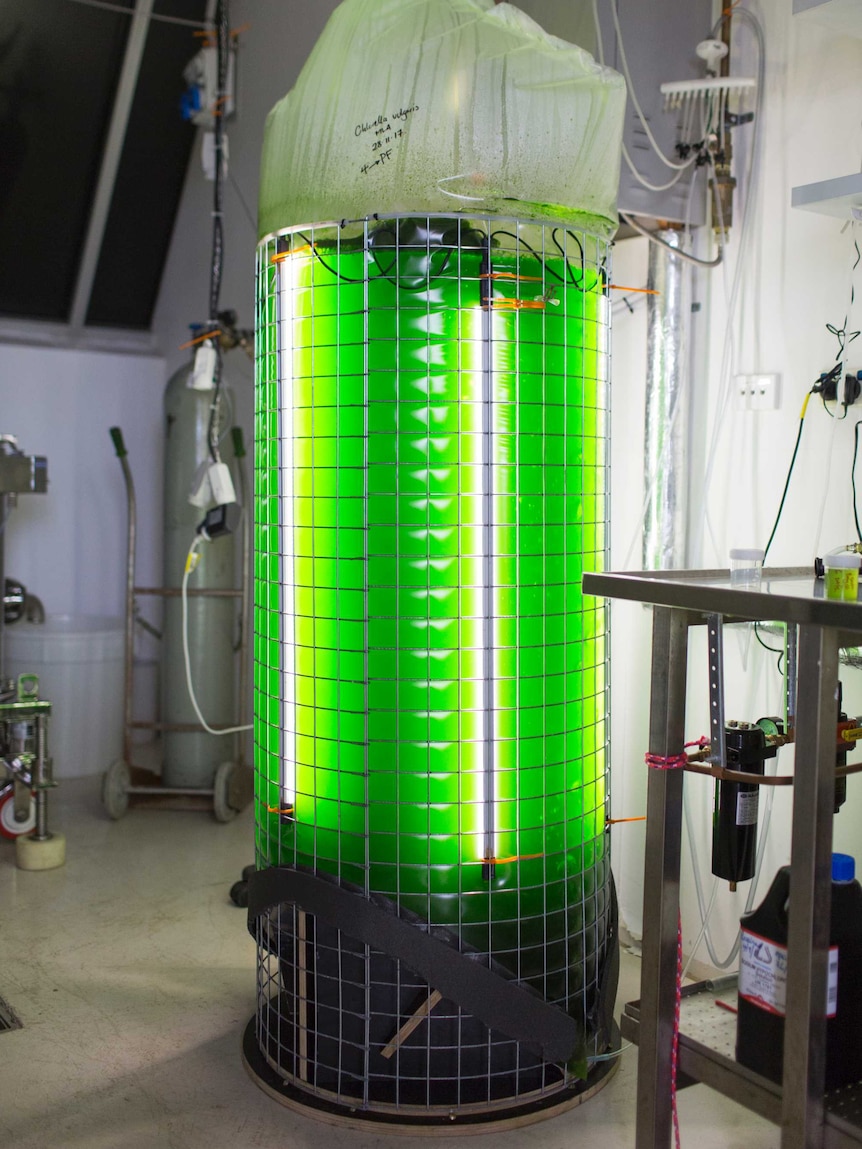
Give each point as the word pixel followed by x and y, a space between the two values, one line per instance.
pixel 434 912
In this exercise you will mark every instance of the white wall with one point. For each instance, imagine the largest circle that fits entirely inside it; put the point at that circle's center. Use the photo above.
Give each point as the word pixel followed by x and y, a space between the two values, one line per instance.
pixel 69 546
pixel 796 279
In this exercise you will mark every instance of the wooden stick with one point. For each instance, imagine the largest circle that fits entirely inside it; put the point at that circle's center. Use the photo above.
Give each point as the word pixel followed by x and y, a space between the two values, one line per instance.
pixel 412 1023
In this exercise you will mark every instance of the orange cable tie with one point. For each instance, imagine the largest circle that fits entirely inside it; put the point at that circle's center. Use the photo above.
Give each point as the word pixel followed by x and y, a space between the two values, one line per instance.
pixel 518 304
pixel 503 861
pixel 280 256
pixel 280 809
pixel 637 290
pixel 511 275
pixel 617 821
pixel 199 339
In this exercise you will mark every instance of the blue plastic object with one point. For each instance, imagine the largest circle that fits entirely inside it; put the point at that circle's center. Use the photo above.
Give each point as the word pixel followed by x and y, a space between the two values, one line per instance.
pixel 843 867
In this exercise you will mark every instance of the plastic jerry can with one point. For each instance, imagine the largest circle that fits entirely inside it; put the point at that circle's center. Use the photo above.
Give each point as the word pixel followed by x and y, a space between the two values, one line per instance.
pixel 763 980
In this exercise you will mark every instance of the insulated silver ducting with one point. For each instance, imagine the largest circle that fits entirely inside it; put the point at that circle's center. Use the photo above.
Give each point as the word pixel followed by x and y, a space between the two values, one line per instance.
pixel 666 416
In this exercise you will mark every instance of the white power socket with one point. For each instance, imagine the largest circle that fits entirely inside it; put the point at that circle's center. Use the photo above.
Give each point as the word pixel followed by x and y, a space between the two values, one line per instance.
pixel 757 392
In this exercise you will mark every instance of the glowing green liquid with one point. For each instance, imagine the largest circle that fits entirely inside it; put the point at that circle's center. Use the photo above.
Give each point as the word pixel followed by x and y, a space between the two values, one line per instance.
pixel 394 494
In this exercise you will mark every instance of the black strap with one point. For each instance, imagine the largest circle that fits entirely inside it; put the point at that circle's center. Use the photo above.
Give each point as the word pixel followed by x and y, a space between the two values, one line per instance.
pixel 506 1006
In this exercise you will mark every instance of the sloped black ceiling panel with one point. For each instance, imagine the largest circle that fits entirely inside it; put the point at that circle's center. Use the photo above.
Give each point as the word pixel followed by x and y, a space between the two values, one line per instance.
pixel 150 178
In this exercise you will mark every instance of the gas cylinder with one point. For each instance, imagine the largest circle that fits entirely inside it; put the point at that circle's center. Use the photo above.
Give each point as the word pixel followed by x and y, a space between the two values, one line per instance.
pixel 191 758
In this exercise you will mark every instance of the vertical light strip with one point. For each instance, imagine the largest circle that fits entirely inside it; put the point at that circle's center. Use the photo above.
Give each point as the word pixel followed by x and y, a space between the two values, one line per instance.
pixel 286 533
pixel 486 291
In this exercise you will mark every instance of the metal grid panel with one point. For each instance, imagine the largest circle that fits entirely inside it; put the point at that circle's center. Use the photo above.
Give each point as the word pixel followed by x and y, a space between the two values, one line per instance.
pixel 431 687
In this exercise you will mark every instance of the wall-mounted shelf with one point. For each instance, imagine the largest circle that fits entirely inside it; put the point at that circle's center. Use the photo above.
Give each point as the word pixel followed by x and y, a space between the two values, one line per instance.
pixel 840 15
pixel 841 197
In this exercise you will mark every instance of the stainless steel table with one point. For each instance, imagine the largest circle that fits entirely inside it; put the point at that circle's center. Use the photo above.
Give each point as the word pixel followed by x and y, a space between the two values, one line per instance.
pixel 683 599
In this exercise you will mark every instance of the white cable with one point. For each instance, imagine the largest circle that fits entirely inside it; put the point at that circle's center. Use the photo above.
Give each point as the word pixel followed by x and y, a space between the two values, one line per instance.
pixel 645 182
pixel 703 929
pixel 189 567
pixel 632 167
pixel 683 255
pixel 830 454
pixel 610 1056
pixel 744 248
pixel 632 94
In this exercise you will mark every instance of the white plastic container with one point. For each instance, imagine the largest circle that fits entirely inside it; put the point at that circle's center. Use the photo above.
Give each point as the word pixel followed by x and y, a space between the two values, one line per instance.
pixel 746 565
pixel 79 661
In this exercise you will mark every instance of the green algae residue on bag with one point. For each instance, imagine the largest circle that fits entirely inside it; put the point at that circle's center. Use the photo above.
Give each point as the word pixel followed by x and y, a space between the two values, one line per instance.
pixel 441 106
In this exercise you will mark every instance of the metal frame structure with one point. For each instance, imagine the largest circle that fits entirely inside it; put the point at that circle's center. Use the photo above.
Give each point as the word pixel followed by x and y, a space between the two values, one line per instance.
pixel 233 784
pixel 682 600
pixel 415 743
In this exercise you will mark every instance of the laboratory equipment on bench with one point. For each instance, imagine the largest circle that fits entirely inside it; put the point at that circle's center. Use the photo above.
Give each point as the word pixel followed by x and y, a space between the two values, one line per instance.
pixel 26 775
pixel 734 829
pixel 816 628
pixel 433 902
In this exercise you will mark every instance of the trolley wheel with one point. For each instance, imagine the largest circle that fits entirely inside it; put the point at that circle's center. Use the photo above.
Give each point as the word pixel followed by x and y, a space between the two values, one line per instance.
pixel 222 808
pixel 10 827
pixel 115 789
pixel 44 854
pixel 239 894
pixel 247 872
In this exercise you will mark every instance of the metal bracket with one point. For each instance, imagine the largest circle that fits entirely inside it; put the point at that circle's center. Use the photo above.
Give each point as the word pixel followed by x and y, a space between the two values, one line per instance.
pixel 19 767
pixel 792 661
pixel 715 638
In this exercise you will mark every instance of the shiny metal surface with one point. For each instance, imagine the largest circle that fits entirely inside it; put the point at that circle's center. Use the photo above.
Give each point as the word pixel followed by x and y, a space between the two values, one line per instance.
pixel 661 878
pixel 811 874
pixel 689 598
pixel 715 630
pixel 666 413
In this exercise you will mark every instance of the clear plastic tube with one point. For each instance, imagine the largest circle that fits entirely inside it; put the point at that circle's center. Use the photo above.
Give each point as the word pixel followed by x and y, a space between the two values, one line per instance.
pixel 191 563
pixel 744 247
pixel 705 911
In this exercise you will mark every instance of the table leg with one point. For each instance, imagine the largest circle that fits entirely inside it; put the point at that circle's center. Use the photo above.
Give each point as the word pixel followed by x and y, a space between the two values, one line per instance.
pixel 661 878
pixel 810 886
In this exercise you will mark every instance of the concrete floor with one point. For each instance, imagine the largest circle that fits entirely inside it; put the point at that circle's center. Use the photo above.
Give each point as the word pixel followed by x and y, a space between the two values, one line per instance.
pixel 134 978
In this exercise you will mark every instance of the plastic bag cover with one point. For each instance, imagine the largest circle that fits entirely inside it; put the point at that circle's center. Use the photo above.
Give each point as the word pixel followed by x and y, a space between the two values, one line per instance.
pixel 443 105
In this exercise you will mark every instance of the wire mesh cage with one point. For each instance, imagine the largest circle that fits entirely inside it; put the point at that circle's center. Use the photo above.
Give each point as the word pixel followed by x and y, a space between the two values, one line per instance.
pixel 431 720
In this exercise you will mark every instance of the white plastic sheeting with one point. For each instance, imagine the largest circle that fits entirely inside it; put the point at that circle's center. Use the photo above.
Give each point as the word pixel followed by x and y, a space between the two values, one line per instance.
pixel 443 105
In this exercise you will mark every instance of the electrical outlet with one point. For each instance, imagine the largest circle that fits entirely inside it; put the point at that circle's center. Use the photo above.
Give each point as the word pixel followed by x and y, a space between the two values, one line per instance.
pixel 757 392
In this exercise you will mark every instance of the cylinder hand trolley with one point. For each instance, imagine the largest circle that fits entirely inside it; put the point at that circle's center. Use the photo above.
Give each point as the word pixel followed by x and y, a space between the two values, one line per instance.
pixel 26 776
pixel 125 782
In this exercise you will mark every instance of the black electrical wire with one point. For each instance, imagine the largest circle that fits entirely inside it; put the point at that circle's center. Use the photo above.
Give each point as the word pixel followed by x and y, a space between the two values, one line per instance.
pixel 217 260
pixel 577 282
pixel 384 272
pixel 396 281
pixel 766 646
pixel 789 471
pixel 840 418
pixel 853 478
pixel 519 239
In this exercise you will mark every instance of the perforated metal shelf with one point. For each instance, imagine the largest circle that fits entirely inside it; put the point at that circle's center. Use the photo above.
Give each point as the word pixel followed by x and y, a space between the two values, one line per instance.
pixel 707 1042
